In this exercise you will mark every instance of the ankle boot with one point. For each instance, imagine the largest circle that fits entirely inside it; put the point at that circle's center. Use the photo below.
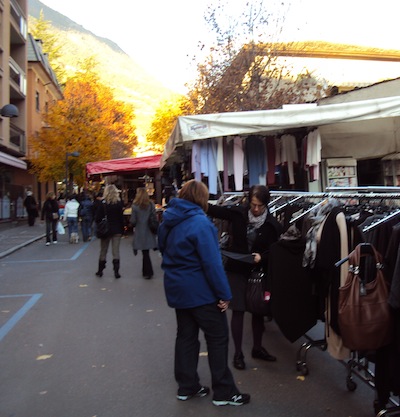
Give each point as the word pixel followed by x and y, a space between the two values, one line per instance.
pixel 102 265
pixel 116 268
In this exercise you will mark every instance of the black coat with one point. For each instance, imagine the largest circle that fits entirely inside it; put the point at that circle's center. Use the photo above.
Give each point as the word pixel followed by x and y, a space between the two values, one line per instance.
pixel 267 234
pixel 294 302
pixel 115 216
pixel 49 207
pixel 238 272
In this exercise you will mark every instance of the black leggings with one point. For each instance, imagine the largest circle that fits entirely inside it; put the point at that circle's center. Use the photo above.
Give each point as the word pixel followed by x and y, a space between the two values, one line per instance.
pixel 257 325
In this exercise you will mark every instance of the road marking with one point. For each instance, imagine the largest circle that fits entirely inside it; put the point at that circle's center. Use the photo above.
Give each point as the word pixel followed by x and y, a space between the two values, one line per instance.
pixel 19 314
pixel 73 258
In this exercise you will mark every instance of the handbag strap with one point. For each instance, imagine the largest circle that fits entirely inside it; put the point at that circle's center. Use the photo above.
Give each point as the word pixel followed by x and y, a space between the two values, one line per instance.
pixel 354 263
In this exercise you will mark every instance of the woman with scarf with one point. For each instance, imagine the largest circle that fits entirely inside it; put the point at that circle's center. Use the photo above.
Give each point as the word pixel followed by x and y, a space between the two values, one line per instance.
pixel 254 229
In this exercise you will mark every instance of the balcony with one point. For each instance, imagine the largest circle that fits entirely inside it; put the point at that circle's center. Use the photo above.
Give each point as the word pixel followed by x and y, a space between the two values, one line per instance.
pixel 19 35
pixel 17 80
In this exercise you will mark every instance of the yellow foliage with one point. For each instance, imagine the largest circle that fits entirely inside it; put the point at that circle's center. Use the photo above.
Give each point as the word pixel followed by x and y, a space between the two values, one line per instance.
pixel 164 121
pixel 89 121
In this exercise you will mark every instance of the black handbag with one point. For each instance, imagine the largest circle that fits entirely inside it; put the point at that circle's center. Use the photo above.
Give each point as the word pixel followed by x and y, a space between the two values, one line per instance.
pixel 102 227
pixel 257 298
pixel 153 223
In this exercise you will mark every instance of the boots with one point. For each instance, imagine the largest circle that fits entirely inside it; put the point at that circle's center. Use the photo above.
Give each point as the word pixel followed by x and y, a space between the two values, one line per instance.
pixel 102 265
pixel 116 268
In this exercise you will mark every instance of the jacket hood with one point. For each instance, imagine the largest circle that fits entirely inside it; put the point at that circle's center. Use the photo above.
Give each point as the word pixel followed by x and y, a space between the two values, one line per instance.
pixel 179 210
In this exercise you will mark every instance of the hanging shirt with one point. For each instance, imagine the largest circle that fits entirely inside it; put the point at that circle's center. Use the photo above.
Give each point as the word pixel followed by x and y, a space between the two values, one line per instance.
pixel 289 154
pixel 238 158
pixel 196 160
pixel 256 161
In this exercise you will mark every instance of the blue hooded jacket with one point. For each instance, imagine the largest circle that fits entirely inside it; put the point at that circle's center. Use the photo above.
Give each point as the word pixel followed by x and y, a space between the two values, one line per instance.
pixel 192 263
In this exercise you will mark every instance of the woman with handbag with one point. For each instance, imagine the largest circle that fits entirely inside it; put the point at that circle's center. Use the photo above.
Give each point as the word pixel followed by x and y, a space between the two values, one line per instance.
pixel 254 230
pixel 197 288
pixel 111 208
pixel 144 239
pixel 50 213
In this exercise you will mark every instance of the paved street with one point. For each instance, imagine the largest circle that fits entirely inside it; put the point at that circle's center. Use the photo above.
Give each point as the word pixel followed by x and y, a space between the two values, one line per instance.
pixel 74 345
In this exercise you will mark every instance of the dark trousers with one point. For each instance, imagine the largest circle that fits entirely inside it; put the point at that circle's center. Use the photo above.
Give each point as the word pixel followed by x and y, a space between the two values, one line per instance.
pixel 214 324
pixel 147 267
pixel 86 226
pixel 51 228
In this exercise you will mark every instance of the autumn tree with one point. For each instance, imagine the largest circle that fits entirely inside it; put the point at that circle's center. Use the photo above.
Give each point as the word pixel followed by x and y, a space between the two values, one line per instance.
pixel 243 70
pixel 51 44
pixel 164 121
pixel 88 120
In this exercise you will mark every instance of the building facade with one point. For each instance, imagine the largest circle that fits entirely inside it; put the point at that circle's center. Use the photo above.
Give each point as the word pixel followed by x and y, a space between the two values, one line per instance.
pixel 13 90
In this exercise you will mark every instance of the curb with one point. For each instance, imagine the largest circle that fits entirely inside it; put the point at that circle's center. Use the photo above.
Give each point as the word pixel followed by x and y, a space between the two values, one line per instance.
pixel 21 245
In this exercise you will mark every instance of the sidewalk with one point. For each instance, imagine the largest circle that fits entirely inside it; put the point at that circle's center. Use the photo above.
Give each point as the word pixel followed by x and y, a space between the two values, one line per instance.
pixel 14 236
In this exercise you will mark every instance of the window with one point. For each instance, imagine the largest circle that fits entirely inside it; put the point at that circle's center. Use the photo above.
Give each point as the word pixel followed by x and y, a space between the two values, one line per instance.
pixel 37 100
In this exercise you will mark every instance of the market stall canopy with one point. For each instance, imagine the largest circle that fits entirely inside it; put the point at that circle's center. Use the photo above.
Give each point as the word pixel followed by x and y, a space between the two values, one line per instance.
pixel 123 165
pixel 358 129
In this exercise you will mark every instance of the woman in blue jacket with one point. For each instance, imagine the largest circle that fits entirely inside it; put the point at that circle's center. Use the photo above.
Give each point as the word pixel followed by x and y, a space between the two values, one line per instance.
pixel 197 287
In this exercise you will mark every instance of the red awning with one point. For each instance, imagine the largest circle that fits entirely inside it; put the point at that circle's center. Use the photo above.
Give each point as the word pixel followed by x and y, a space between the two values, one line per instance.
pixel 124 165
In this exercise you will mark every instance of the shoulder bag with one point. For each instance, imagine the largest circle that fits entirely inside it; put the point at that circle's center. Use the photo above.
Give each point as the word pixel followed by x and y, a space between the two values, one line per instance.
pixel 365 319
pixel 153 222
pixel 102 227
pixel 257 299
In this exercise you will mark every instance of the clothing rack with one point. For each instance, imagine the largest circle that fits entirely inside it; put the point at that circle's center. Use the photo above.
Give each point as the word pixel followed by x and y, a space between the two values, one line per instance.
pixel 373 196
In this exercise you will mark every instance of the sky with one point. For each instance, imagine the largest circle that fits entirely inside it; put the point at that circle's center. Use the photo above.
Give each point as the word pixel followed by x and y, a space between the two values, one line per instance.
pixel 162 35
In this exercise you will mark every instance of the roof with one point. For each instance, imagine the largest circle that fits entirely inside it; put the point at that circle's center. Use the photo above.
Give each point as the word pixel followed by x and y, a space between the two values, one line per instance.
pixel 359 129
pixel 35 54
pixel 123 165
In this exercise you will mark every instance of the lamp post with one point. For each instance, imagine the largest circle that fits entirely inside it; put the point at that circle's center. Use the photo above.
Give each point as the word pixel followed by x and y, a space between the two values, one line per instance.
pixel 9 110
pixel 67 154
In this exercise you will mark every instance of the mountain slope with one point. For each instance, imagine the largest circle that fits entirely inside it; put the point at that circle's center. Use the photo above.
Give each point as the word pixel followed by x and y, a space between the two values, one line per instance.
pixel 131 83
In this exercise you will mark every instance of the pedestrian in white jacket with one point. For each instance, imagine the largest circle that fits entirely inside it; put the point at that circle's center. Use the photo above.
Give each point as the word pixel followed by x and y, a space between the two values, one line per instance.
pixel 71 215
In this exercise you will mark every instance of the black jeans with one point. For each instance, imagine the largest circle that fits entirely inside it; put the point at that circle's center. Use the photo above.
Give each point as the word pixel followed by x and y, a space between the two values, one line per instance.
pixel 51 228
pixel 214 324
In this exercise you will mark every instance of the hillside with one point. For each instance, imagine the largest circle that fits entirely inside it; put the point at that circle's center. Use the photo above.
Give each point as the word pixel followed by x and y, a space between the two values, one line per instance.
pixel 131 83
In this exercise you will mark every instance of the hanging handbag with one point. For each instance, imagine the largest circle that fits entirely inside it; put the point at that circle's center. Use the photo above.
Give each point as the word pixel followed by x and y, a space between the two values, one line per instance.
pixel 257 299
pixel 102 227
pixel 365 319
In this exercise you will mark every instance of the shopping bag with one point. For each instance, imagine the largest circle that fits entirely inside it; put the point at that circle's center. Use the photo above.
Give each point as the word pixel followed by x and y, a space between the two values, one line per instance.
pixel 257 299
pixel 60 229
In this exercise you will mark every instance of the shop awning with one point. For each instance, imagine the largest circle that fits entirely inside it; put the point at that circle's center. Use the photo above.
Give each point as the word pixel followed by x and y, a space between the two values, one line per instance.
pixel 123 165
pixel 7 159
pixel 359 129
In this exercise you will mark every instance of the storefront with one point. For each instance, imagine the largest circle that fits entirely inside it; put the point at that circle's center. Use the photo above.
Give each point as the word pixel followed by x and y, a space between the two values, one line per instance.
pixel 129 174
pixel 300 147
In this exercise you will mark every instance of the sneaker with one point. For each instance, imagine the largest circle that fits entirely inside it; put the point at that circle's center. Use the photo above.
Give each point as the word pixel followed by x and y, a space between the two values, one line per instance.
pixel 202 392
pixel 47 243
pixel 54 242
pixel 237 399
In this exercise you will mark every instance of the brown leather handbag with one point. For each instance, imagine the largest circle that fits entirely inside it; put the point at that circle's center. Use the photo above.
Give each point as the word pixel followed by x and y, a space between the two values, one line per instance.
pixel 365 319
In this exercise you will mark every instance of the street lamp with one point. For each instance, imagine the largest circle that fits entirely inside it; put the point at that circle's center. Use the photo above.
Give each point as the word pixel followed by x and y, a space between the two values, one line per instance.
pixel 9 110
pixel 67 154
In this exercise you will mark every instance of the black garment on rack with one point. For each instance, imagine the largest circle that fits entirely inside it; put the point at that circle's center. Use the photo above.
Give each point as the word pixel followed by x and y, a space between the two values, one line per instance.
pixel 294 301
pixel 387 367
pixel 327 275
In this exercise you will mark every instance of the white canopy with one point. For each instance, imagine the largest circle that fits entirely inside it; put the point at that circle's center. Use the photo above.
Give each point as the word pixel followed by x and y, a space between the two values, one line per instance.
pixel 359 129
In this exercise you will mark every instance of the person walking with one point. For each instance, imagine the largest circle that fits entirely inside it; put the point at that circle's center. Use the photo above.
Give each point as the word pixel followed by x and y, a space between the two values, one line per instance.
pixel 71 215
pixel 51 215
pixel 197 288
pixel 143 238
pixel 112 207
pixel 85 213
pixel 31 207
pixel 254 229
